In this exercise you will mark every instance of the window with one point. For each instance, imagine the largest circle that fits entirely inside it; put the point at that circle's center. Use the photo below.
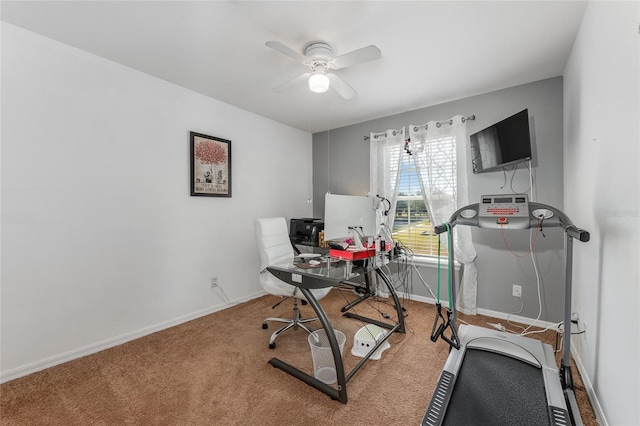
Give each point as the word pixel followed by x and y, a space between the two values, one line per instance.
pixel 413 226
pixel 436 148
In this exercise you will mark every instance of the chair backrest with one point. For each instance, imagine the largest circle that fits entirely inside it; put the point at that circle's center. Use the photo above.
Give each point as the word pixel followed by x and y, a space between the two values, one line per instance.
pixel 274 245
pixel 272 238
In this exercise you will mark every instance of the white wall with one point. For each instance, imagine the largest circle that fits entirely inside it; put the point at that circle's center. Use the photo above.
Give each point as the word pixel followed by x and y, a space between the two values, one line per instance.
pixel 101 242
pixel 602 190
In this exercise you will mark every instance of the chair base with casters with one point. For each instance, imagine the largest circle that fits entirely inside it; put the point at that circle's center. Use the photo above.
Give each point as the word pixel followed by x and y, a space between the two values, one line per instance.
pixel 274 246
pixel 294 323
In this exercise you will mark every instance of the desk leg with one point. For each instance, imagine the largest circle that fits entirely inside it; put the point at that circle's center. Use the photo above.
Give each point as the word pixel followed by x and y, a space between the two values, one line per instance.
pixel 363 297
pixel 333 342
pixel 396 301
pixel 399 327
pixel 340 393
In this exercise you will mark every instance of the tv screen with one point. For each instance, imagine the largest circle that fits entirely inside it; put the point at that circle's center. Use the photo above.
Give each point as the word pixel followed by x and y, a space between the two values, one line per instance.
pixel 503 144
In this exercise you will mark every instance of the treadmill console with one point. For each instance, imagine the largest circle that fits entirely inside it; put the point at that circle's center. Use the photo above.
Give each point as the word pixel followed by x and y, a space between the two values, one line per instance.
pixel 505 211
pixel 511 211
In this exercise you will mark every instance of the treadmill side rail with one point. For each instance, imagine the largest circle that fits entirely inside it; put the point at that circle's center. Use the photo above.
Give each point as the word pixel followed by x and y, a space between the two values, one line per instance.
pixel 440 400
pixel 525 350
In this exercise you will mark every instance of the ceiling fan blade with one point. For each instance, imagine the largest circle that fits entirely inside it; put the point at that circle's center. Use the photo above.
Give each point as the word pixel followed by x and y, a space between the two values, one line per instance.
pixel 365 54
pixel 287 51
pixel 289 83
pixel 341 86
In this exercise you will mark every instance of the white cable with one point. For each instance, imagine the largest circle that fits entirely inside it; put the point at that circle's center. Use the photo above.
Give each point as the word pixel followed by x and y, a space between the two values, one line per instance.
pixel 415 268
pixel 224 295
pixel 541 330
pixel 406 280
pixel 533 260
pixel 532 198
pixel 517 312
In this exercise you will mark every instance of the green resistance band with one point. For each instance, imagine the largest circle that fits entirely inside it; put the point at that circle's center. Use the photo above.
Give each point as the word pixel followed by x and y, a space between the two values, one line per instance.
pixel 448 268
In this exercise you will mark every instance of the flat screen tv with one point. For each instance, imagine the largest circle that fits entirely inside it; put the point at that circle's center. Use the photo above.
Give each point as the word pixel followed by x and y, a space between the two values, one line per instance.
pixel 504 144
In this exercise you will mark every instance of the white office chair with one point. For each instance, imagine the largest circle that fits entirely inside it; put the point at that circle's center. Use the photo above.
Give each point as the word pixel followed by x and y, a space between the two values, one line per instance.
pixel 274 245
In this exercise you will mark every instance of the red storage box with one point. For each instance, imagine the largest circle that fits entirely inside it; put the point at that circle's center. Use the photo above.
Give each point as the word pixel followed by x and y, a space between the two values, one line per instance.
pixel 352 254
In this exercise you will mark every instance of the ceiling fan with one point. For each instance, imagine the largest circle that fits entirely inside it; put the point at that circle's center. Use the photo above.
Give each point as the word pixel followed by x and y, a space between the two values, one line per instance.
pixel 320 57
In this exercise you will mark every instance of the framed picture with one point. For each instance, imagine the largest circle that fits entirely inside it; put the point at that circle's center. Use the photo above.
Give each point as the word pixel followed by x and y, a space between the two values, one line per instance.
pixel 210 166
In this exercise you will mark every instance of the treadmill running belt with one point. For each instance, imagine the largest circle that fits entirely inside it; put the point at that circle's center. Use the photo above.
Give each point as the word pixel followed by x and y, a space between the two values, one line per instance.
pixel 493 390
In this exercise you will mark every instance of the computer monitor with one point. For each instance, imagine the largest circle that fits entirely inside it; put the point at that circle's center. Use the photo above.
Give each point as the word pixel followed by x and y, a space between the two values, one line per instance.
pixel 344 211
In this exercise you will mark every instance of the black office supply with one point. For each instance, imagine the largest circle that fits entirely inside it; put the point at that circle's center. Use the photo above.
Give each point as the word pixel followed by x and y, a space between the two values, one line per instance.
pixel 305 231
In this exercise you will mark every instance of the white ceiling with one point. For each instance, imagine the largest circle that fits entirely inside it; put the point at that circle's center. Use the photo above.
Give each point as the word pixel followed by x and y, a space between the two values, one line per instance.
pixel 432 51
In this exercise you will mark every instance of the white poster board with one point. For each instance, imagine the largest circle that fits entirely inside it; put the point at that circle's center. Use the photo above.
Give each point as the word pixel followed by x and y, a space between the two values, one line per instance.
pixel 344 211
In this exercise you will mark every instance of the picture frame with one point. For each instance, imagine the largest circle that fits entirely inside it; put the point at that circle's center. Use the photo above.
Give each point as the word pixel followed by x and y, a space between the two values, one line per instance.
pixel 210 166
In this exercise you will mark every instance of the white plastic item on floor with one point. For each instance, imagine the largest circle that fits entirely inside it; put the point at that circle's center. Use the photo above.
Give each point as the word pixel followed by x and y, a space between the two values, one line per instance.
pixel 366 338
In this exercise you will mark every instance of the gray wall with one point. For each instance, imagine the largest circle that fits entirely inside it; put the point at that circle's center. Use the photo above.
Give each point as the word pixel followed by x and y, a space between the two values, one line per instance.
pixel 341 166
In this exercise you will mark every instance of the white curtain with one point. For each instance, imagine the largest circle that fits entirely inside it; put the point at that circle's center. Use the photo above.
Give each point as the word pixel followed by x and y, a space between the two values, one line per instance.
pixel 439 150
pixel 386 151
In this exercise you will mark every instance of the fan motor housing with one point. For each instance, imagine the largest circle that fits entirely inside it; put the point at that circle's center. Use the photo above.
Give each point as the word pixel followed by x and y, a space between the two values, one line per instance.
pixel 318 51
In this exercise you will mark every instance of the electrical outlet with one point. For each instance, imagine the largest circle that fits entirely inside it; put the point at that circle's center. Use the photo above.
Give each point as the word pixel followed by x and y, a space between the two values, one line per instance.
pixel 517 290
pixel 214 282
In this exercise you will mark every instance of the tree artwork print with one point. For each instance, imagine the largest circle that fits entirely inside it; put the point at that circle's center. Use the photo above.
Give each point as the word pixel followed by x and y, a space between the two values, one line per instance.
pixel 210 166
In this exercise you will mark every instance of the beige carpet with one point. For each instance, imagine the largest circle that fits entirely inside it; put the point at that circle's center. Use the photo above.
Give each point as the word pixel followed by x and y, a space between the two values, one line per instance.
pixel 214 371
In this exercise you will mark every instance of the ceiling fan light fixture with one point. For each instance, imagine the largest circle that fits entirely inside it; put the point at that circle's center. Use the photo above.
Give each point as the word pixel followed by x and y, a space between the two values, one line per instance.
pixel 319 56
pixel 319 82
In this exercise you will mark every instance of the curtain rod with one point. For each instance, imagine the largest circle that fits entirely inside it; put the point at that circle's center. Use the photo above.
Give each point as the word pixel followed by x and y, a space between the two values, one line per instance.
pixel 415 129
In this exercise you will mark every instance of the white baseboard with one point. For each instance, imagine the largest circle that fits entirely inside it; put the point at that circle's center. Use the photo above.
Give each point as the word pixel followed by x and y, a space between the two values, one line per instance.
pixel 33 367
pixel 486 312
pixel 516 318
pixel 586 381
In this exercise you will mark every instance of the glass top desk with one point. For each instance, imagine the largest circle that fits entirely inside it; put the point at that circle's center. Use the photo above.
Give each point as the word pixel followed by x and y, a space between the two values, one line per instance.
pixel 329 274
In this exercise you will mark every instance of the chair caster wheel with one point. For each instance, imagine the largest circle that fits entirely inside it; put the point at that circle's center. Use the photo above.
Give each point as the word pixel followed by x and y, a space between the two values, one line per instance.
pixel 265 325
pixel 272 345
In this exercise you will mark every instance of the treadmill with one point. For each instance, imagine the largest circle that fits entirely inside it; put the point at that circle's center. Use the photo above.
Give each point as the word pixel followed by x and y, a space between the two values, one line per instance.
pixel 497 378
